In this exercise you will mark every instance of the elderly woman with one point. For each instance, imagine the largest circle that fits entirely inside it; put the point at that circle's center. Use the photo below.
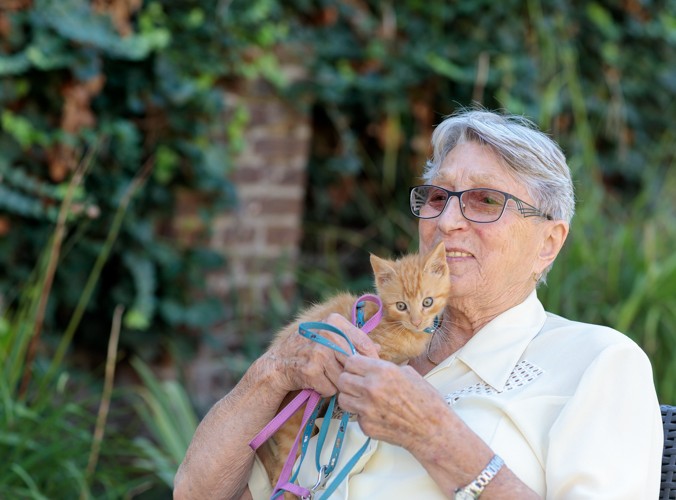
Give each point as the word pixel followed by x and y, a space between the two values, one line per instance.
pixel 509 401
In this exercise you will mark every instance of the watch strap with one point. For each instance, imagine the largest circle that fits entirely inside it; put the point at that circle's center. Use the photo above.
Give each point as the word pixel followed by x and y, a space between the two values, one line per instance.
pixel 476 487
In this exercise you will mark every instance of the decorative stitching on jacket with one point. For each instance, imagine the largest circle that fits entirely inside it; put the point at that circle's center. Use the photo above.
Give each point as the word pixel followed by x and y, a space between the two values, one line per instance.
pixel 524 373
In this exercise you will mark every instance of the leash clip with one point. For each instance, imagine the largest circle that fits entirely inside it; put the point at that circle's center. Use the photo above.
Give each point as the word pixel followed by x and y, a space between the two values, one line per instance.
pixel 322 478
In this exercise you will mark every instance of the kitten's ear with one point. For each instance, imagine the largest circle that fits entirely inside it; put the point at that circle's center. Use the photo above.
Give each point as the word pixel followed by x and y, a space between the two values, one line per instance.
pixel 435 262
pixel 382 270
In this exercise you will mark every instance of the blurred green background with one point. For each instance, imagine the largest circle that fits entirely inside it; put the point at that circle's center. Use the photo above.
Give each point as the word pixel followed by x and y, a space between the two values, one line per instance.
pixel 110 109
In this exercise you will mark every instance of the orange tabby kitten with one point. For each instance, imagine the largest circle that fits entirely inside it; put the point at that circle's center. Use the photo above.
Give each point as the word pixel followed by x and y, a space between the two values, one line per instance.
pixel 413 290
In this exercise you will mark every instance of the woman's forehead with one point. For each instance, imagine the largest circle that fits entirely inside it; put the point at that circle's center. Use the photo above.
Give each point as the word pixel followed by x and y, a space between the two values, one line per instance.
pixel 466 176
pixel 472 154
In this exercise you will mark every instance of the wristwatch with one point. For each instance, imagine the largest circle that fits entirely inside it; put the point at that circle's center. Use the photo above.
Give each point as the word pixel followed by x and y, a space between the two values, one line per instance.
pixel 474 489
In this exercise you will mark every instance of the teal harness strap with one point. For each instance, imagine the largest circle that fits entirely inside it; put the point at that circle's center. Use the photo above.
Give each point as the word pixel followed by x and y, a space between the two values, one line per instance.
pixel 435 325
pixel 321 438
pixel 305 330
pixel 307 434
pixel 325 471
pixel 342 475
pixel 345 471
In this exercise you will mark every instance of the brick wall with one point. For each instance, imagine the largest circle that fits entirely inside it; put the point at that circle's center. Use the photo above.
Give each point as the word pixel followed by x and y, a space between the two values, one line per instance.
pixel 269 177
pixel 260 238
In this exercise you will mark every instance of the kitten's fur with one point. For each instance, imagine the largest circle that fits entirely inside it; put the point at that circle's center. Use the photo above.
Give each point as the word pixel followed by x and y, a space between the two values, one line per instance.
pixel 405 287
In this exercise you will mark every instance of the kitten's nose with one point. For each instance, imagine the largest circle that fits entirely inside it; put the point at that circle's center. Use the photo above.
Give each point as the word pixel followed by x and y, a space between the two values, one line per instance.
pixel 416 322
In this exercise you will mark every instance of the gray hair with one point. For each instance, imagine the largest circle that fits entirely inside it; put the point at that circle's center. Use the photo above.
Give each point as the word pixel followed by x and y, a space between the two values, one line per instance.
pixel 529 154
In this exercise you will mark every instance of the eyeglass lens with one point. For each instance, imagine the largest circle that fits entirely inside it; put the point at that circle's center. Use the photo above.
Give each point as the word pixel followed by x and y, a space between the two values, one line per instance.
pixel 479 205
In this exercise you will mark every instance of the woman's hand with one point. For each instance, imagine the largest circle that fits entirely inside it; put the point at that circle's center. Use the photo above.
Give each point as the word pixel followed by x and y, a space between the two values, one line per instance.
pixel 392 403
pixel 302 363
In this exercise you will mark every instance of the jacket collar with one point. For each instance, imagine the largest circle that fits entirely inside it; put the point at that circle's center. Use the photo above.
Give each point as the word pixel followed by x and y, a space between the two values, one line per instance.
pixel 493 352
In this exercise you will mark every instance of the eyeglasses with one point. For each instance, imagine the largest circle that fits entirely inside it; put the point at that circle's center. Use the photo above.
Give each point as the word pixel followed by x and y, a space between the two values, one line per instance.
pixel 476 205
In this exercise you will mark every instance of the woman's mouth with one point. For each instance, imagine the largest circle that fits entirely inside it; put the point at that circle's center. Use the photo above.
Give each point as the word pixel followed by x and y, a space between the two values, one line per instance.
pixel 457 253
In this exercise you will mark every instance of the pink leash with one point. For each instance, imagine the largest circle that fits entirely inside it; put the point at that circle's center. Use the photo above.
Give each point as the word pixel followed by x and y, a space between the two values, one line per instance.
pixel 312 399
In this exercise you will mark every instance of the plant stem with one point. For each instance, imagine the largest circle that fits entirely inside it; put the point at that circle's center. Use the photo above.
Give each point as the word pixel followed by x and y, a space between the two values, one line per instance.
pixel 101 259
pixel 105 396
pixel 50 271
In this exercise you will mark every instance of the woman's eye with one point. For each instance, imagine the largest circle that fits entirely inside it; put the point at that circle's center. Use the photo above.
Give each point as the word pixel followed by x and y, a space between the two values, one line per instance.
pixel 428 302
pixel 401 306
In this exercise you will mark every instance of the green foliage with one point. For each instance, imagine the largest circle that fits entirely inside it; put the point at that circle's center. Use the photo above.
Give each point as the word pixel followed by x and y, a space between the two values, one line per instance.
pixel 47 424
pixel 140 99
pixel 73 80
pixel 166 410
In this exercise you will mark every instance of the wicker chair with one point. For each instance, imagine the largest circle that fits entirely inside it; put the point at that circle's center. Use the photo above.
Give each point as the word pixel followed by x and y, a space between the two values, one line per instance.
pixel 668 484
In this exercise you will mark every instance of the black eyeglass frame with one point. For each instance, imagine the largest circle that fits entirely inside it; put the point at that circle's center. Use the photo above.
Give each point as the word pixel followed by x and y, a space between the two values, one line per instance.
pixel 525 209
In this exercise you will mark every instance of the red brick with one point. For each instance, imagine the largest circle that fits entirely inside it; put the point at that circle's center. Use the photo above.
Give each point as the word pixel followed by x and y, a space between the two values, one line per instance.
pixel 239 234
pixel 293 178
pixel 283 235
pixel 258 114
pixel 274 147
pixel 247 175
pixel 278 206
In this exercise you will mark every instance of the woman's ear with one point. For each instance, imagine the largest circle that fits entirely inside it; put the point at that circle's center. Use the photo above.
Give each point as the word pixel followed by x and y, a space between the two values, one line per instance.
pixel 554 237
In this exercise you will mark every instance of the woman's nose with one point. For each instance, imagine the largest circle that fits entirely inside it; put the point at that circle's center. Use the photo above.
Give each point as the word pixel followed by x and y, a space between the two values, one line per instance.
pixel 451 218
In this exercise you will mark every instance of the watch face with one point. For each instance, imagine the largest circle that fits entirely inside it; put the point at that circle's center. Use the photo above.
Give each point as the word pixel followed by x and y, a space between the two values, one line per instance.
pixel 464 495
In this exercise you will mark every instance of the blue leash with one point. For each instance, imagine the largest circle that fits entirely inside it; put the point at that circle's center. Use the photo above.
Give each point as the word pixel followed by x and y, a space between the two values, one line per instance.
pixel 325 471
pixel 305 329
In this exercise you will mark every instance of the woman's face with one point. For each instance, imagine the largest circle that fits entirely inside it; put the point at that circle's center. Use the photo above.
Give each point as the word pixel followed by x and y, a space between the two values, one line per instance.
pixel 494 262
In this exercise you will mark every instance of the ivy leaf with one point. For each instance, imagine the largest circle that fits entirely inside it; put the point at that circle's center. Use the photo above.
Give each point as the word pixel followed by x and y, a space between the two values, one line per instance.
pixel 77 22
pixel 14 64
pixel 166 164
pixel 22 130
pixel 134 319
pixel 447 68
pixel 145 283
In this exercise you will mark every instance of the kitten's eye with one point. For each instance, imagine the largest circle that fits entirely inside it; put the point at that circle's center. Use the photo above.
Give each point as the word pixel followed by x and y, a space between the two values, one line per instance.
pixel 428 302
pixel 401 306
